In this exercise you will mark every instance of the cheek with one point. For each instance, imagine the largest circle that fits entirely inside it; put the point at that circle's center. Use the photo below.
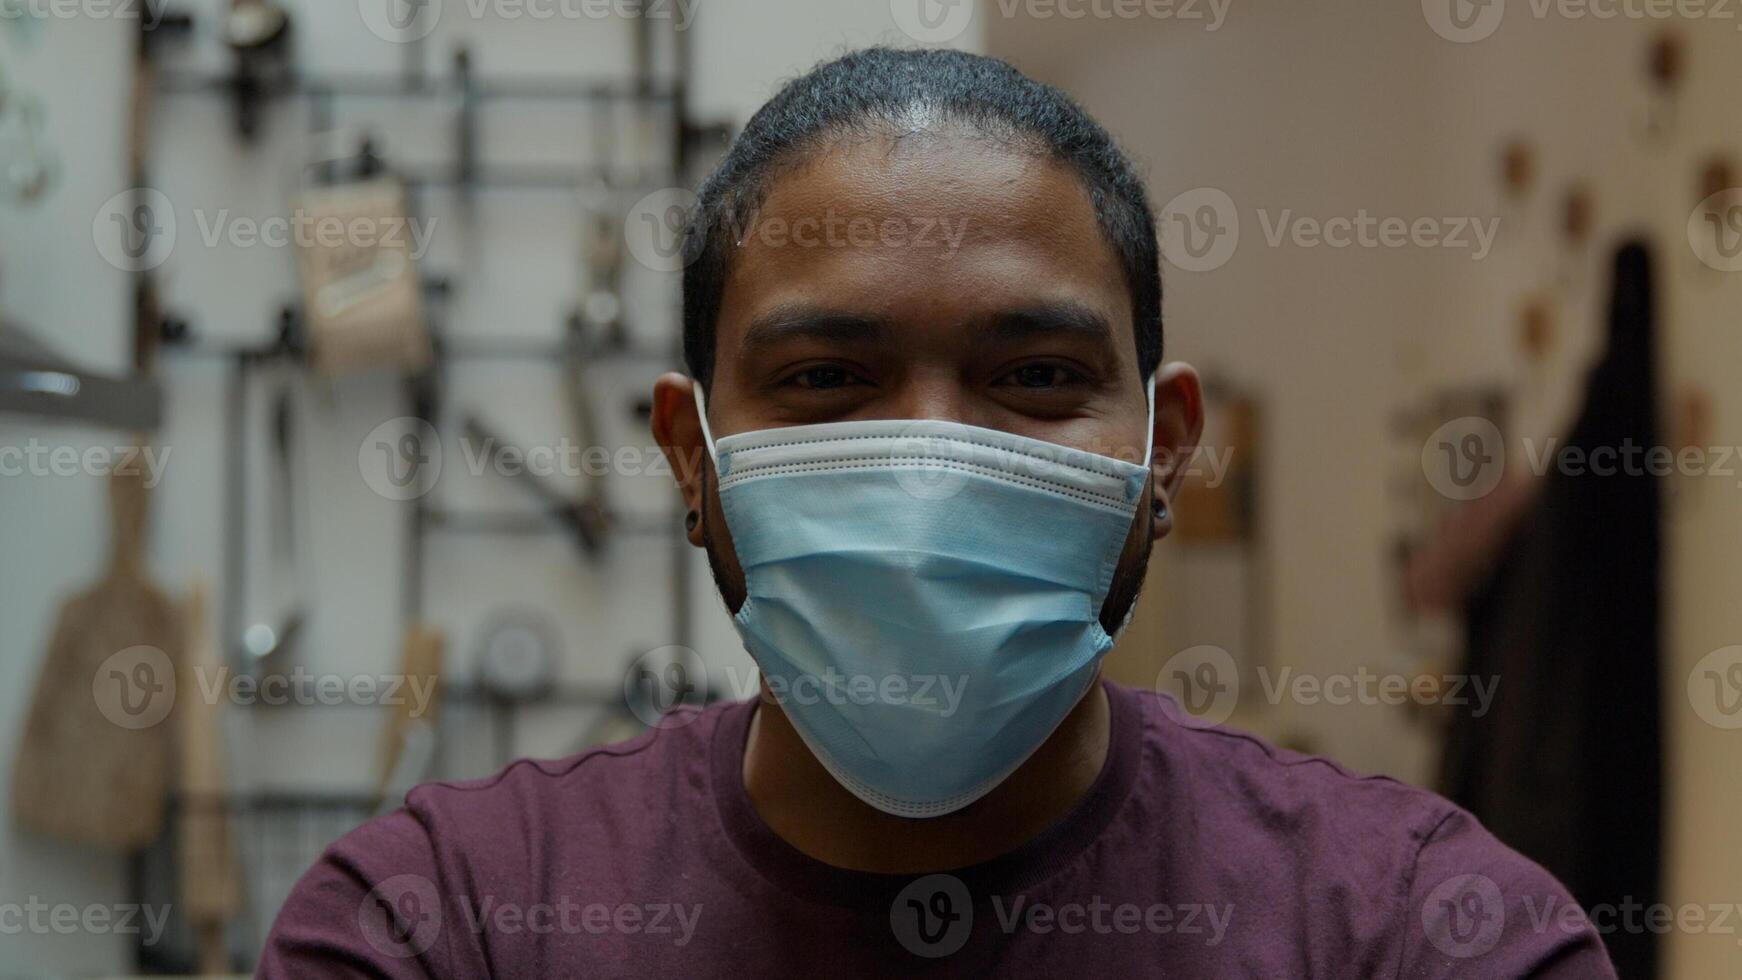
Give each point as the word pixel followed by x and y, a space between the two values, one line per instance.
pixel 717 539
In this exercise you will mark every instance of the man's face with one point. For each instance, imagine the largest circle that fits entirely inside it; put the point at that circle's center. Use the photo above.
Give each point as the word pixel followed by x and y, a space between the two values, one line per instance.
pixel 941 276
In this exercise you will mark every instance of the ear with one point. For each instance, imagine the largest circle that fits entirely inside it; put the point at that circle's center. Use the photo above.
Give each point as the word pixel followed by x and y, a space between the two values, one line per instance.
pixel 1179 423
pixel 678 429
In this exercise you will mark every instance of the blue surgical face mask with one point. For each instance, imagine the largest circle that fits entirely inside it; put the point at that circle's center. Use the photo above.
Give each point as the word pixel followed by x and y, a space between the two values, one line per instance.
pixel 923 597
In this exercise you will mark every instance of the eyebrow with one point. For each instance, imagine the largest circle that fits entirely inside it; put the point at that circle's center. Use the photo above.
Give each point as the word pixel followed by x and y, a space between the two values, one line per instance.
pixel 785 323
pixel 804 322
pixel 1050 319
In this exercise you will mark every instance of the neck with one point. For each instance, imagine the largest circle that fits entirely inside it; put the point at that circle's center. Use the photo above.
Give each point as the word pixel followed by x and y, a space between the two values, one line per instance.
pixel 801 802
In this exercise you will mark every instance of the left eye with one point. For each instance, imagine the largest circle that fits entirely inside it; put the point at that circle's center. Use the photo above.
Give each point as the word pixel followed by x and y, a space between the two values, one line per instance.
pixel 823 376
pixel 1042 376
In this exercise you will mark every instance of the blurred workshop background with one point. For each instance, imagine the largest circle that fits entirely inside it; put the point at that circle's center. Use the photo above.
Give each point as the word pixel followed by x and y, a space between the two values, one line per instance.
pixel 398 516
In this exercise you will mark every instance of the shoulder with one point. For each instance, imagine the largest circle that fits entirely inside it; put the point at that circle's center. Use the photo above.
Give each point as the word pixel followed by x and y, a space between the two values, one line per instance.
pixel 402 892
pixel 625 777
pixel 1382 865
pixel 1248 784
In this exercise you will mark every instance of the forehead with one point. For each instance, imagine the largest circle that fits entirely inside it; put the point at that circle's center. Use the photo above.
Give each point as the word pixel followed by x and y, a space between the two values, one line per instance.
pixel 926 231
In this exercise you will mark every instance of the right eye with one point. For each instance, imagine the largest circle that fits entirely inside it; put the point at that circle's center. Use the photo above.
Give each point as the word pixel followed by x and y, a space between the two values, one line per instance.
pixel 821 377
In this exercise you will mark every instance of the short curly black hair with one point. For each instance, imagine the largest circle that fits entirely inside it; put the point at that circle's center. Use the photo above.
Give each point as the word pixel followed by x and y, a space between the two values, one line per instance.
pixel 885 87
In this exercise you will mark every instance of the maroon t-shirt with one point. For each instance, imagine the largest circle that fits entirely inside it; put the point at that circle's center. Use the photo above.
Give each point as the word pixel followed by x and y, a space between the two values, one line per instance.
pixel 1199 852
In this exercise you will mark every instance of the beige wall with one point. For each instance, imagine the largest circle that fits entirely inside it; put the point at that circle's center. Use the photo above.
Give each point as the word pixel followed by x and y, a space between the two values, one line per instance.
pixel 1329 108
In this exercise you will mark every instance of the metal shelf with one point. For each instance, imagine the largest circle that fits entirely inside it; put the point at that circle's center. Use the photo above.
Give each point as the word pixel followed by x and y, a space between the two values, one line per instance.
pixel 38 382
pixel 424 86
pixel 522 523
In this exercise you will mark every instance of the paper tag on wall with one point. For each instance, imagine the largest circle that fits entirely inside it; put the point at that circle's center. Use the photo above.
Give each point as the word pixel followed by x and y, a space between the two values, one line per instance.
pixel 361 295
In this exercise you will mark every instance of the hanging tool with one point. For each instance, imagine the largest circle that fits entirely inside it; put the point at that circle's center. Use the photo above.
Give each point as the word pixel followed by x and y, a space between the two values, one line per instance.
pixel 28 168
pixel 1578 218
pixel 269 644
pixel 258 32
pixel 210 887
pixel 583 519
pixel 466 125
pixel 408 746
pixel 595 328
pixel 1665 67
pixel 95 761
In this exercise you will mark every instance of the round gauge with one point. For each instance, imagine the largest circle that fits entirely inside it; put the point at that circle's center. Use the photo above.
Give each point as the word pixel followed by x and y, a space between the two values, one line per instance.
pixel 517 658
pixel 255 24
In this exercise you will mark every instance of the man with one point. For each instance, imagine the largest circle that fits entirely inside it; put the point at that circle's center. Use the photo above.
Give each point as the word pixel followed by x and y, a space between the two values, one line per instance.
pixel 927 440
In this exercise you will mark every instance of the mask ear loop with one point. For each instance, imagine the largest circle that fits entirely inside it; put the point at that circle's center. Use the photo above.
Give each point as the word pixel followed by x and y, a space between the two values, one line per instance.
pixel 1148 466
pixel 1148 428
pixel 708 435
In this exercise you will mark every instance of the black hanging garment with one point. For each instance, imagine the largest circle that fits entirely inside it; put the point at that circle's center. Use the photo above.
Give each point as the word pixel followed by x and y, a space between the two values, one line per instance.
pixel 1567 764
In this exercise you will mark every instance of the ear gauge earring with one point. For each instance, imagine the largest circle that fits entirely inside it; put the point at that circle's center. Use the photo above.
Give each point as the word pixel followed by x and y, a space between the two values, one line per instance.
pixel 1159 509
pixel 691 520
